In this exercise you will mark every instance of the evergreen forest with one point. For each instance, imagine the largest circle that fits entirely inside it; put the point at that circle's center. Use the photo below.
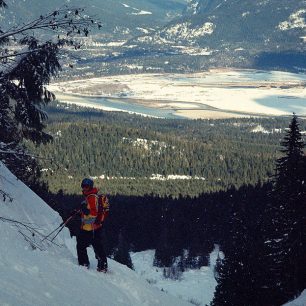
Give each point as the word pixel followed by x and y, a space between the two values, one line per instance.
pixel 239 183
pixel 132 155
pixel 251 202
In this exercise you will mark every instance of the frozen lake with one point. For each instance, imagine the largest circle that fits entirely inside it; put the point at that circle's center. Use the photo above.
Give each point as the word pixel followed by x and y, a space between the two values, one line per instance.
pixel 213 94
pixel 123 105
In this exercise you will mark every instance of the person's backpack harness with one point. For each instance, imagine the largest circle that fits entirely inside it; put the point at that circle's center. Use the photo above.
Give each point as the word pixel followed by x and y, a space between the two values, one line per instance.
pixel 103 207
pixel 94 215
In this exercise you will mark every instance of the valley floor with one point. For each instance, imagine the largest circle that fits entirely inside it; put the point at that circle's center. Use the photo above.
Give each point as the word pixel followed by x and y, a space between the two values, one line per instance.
pixel 213 94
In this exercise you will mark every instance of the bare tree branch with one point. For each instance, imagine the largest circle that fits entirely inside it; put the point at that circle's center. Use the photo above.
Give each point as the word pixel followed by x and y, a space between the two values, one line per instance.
pixel 5 195
pixel 2 3
pixel 28 61
pixel 63 19
pixel 13 55
pixel 29 228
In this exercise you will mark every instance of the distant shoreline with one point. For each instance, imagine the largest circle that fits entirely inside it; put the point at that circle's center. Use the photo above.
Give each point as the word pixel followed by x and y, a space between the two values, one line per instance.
pixel 215 94
pixel 81 100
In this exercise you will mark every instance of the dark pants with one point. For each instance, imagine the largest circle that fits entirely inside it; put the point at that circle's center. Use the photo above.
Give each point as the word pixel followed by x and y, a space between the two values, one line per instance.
pixel 94 238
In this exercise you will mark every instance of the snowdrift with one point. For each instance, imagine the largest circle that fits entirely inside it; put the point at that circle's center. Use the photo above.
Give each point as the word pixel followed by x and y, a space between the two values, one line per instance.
pixel 36 272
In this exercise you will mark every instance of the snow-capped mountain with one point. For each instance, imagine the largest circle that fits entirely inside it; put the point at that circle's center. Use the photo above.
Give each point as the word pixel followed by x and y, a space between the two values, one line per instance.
pixel 184 35
pixel 192 7
pixel 40 273
pixel 236 33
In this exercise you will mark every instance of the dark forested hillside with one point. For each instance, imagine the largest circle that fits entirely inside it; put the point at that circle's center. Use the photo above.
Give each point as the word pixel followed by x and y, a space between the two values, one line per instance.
pixel 132 155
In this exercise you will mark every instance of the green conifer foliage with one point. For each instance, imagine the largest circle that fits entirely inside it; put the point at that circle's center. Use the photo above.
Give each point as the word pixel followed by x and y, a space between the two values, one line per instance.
pixel 285 224
pixel 28 60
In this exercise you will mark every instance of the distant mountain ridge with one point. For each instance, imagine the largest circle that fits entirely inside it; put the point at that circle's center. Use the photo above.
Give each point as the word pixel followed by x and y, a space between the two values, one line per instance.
pixel 183 35
pixel 126 17
pixel 235 32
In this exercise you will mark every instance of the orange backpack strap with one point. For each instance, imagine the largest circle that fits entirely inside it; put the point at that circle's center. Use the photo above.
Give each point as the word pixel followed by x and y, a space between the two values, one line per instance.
pixel 105 203
pixel 103 209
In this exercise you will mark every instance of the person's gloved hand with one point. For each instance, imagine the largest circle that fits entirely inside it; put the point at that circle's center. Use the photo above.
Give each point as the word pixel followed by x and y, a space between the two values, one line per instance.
pixel 97 221
pixel 84 208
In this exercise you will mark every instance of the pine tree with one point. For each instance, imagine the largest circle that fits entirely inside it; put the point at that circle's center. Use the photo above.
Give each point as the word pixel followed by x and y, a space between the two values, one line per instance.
pixel 288 178
pixel 121 253
pixel 285 224
pixel 28 60
pixel 239 273
pixel 163 254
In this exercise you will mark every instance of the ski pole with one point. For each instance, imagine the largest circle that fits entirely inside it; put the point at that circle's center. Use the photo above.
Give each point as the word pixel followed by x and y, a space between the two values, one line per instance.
pixel 46 237
pixel 58 232
pixel 70 218
pixel 61 226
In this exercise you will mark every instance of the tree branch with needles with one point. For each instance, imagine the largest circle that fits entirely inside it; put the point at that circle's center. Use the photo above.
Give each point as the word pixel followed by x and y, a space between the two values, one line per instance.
pixel 29 58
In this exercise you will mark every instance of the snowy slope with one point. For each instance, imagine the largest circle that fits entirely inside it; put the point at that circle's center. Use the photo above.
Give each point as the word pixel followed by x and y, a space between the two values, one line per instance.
pixel 49 274
pixel 194 285
pixel 300 301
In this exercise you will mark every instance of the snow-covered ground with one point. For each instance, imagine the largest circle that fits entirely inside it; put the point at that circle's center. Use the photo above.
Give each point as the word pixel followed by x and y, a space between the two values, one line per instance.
pixel 300 301
pixel 38 273
pixel 197 286
pixel 202 94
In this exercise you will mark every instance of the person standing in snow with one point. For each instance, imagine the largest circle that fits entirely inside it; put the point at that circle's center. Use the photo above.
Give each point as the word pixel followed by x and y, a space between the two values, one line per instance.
pixel 92 217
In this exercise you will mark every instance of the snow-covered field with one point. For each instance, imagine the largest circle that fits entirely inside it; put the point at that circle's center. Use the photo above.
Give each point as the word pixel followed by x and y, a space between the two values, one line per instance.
pixel 197 286
pixel 38 273
pixel 217 93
